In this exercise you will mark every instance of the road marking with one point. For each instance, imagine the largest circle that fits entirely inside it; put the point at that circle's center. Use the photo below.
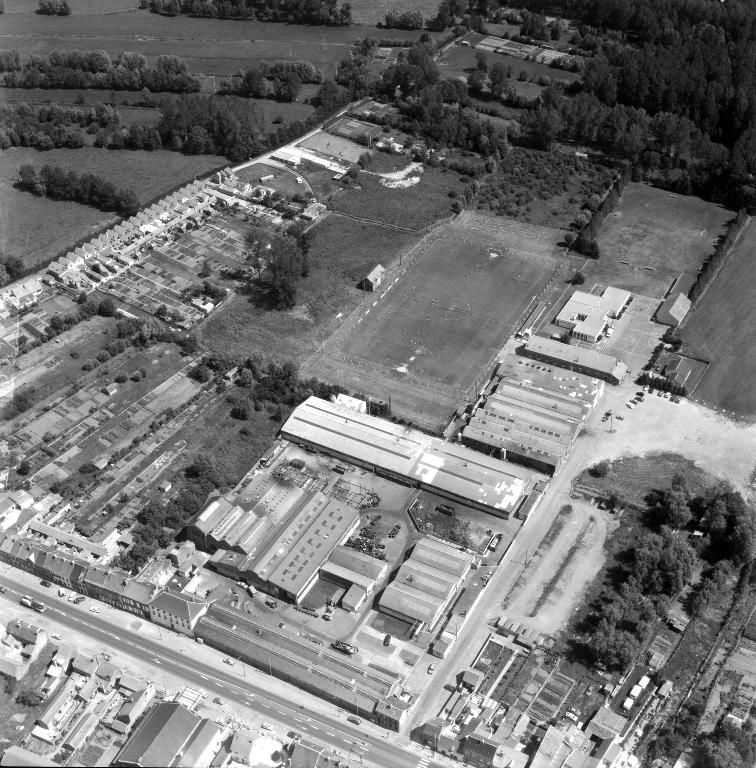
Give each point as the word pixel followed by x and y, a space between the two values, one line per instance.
pixel 204 677
pixel 157 661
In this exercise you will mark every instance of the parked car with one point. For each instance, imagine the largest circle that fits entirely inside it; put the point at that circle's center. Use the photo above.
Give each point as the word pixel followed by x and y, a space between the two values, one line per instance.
pixel 431 668
pixel 94 608
pixel 387 640
pixel 228 661
pixel 55 636
pixel 355 720
pixel 271 603
pixel 266 726
pixel 45 583
pixel 3 590
pixel 79 599
pixel 621 418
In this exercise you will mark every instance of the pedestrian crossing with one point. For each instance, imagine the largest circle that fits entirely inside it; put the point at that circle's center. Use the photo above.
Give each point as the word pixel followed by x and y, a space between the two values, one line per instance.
pixel 424 762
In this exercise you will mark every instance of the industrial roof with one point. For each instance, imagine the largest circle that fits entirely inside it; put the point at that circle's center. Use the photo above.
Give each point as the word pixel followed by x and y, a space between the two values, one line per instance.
pixel 557 403
pixel 355 567
pixel 587 358
pixel 446 467
pixel 673 309
pixel 534 419
pixel 426 580
pixel 160 737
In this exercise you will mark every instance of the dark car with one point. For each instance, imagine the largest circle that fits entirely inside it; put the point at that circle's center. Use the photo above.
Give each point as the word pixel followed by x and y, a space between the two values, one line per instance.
pixel 3 589
pixel 387 640
pixel 355 720
pixel 79 599
pixel 45 583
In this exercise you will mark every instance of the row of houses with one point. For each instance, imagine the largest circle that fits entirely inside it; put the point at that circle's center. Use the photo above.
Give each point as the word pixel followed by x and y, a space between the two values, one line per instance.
pixel 177 611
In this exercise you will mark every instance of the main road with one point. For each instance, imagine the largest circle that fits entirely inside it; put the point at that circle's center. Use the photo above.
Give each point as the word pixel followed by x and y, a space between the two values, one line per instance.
pixel 364 744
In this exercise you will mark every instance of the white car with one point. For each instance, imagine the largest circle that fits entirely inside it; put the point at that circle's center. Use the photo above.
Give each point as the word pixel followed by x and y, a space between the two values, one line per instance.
pixel 55 636
pixel 72 597
pixel 228 661
pixel 266 726
pixel 94 609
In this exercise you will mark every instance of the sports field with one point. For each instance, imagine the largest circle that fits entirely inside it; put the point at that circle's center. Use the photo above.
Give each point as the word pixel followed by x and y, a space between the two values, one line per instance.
pixel 720 328
pixel 653 236
pixel 441 317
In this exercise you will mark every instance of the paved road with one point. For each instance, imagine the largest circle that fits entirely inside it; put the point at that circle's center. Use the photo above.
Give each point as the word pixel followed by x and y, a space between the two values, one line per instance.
pixel 362 743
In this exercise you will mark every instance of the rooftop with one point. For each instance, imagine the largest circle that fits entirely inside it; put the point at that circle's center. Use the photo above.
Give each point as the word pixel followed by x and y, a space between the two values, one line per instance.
pixel 408 453
pixel 571 355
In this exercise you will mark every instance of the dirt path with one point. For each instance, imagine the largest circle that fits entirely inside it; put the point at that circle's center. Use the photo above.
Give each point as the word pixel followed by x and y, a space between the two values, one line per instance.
pixel 557 575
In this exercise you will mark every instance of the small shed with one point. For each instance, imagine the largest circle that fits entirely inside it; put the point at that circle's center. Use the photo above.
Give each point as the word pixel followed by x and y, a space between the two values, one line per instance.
pixel 373 279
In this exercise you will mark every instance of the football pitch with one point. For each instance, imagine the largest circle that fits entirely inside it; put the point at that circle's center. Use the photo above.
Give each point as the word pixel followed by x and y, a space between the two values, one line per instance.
pixel 442 318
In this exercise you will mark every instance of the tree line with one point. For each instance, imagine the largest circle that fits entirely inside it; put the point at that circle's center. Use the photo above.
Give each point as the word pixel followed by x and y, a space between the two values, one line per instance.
pixel 96 69
pixel 395 19
pixel 51 125
pixel 652 563
pixel 690 59
pixel 280 80
pixel 325 12
pixel 86 188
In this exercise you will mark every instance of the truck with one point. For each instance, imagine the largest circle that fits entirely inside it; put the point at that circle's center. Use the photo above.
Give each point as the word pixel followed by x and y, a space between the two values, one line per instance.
pixel 251 591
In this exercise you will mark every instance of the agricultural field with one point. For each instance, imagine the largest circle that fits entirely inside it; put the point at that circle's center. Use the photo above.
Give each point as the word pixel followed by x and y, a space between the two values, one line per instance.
pixel 413 207
pixel 653 236
pixel 37 229
pixel 209 46
pixel 720 329
pixel 341 253
pixel 371 12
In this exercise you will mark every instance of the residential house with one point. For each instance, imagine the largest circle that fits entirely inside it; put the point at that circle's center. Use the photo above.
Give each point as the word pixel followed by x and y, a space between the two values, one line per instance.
pixel 373 279
pixel 20 647
pixel 132 709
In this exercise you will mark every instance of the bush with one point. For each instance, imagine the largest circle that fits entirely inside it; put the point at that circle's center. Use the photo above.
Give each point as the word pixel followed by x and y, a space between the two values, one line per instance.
pixel 599 470
pixel 120 379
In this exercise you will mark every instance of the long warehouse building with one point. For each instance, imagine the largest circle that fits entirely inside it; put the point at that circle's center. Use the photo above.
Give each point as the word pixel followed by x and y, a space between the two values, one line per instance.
pixel 409 456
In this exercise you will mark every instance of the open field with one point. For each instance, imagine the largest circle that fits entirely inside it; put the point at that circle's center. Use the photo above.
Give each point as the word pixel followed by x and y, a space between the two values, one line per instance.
pixel 632 477
pixel 560 570
pixel 653 236
pixel 341 253
pixel 414 207
pixel 370 12
pixel 720 329
pixel 37 228
pixel 210 46
pixel 436 322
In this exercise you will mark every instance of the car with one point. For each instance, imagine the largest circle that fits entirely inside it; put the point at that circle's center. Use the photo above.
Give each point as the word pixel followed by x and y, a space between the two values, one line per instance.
pixel 630 406
pixel 55 636
pixel 666 395
pixel 72 597
pixel 609 331
pixel 431 668
pixel 271 603
pixel 355 720
pixel 646 388
pixel 79 599
pixel 621 418
pixel 659 393
pixel 387 640
pixel 3 589
pixel 266 726
pixel 327 617
pixel 94 608
pixel 281 625
pixel 45 583
pixel 639 394
pixel 228 661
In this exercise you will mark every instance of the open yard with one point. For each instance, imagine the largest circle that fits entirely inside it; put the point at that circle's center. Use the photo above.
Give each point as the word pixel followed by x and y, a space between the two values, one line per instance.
pixel 342 252
pixel 37 229
pixel 720 328
pixel 414 207
pixel 653 236
pixel 435 324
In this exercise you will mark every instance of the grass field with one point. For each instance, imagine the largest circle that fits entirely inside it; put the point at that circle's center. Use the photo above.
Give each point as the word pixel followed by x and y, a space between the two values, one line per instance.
pixel 453 309
pixel 720 329
pixel 372 12
pixel 634 476
pixel 210 46
pixel 653 236
pixel 448 309
pixel 342 252
pixel 37 229
pixel 415 207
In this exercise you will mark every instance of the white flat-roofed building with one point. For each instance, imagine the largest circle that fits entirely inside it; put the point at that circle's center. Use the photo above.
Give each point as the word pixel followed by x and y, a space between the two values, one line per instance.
pixel 586 314
pixel 409 456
